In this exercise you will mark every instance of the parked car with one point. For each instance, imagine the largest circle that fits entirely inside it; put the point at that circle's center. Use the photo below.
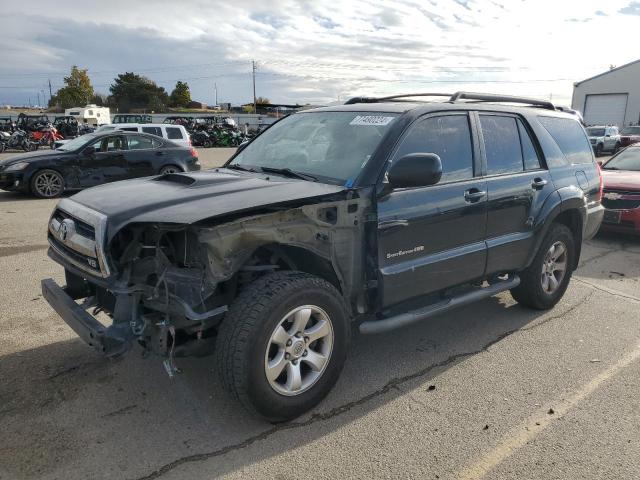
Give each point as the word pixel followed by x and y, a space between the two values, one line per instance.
pixel 132 118
pixel 604 139
pixel 175 133
pixel 621 197
pixel 94 159
pixel 629 135
pixel 382 212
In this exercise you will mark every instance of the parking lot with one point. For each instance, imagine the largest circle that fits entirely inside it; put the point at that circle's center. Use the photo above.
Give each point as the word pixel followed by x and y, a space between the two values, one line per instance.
pixel 492 390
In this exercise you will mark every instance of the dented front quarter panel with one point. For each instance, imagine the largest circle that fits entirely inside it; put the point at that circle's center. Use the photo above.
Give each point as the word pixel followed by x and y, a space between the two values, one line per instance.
pixel 332 230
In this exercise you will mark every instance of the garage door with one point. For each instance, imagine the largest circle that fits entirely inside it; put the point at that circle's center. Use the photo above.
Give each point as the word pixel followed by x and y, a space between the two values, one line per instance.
pixel 607 109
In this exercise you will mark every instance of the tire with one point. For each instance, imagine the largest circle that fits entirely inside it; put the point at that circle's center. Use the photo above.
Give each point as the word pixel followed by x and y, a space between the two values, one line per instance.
pixel 207 143
pixel 245 347
pixel 47 184
pixel 532 291
pixel 170 169
pixel 599 149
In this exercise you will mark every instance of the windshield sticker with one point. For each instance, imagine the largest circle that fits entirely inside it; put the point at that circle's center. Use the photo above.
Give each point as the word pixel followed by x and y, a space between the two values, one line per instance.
pixel 375 120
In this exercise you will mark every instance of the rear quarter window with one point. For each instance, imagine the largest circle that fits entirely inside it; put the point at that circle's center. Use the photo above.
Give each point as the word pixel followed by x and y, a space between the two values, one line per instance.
pixel 174 133
pixel 570 137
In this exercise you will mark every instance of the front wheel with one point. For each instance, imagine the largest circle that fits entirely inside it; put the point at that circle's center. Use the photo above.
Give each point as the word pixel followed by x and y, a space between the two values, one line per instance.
pixel 47 184
pixel 170 169
pixel 283 344
pixel 544 282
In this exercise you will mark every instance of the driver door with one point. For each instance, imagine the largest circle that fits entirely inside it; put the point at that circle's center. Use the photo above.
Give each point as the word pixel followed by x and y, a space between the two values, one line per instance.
pixel 431 238
pixel 106 164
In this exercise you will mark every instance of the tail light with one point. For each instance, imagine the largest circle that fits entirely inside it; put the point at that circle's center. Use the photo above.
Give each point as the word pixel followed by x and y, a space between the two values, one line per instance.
pixel 194 152
pixel 601 189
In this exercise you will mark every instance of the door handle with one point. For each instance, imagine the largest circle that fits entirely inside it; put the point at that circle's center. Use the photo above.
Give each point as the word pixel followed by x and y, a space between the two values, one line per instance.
pixel 538 183
pixel 388 224
pixel 473 195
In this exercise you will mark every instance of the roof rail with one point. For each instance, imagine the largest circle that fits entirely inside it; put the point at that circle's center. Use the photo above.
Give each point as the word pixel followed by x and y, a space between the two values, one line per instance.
pixel 353 100
pixel 491 97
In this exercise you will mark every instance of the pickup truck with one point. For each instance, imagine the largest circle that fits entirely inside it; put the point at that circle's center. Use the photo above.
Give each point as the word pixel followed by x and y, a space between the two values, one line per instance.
pixel 371 215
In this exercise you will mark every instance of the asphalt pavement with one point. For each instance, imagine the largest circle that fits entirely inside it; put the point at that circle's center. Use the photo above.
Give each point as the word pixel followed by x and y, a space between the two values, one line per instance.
pixel 492 390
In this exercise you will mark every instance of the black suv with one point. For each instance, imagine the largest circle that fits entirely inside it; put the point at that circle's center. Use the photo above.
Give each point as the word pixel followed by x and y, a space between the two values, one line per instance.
pixel 380 212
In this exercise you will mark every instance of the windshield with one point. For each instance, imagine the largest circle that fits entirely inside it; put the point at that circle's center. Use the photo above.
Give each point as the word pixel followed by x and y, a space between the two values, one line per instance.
pixel 628 159
pixel 76 143
pixel 631 131
pixel 595 132
pixel 329 145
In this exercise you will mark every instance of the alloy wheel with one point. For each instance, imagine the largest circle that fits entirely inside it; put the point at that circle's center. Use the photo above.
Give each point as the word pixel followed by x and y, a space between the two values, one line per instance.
pixel 299 350
pixel 554 267
pixel 48 184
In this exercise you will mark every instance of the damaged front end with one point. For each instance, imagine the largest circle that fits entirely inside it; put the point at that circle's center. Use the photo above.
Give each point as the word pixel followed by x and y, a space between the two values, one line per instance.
pixel 167 286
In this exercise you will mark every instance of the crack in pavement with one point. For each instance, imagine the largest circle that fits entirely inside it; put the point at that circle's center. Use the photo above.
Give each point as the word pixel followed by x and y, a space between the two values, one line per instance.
pixel 393 384
pixel 610 291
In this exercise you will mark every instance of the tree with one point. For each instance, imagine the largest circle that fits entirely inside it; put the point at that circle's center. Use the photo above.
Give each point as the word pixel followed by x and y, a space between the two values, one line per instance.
pixel 130 91
pixel 77 91
pixel 262 101
pixel 181 96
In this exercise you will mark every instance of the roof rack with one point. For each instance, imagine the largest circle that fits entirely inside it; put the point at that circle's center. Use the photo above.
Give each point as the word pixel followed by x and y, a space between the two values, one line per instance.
pixel 353 100
pixel 491 97
pixel 478 97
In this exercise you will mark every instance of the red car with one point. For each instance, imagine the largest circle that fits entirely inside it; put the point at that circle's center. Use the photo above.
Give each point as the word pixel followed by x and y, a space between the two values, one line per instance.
pixel 621 196
pixel 629 136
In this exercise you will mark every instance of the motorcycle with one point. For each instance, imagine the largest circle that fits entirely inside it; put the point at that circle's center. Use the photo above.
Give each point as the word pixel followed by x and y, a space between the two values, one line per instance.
pixel 201 138
pixel 18 140
pixel 46 135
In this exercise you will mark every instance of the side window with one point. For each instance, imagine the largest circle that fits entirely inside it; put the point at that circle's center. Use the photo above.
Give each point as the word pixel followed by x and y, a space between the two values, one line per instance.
pixel 447 136
pixel 109 144
pixel 174 133
pixel 531 160
pixel 157 131
pixel 502 144
pixel 570 137
pixel 138 142
pixel 129 129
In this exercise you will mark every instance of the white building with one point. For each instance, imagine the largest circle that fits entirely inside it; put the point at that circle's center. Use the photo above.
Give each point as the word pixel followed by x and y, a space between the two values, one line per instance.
pixel 611 98
pixel 91 115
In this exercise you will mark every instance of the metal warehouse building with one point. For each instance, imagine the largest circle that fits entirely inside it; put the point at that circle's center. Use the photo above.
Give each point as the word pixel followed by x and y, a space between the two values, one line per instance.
pixel 611 98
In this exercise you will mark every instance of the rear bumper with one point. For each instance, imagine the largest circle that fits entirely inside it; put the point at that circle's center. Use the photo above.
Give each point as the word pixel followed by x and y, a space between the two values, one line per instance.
pixel 593 221
pixel 107 341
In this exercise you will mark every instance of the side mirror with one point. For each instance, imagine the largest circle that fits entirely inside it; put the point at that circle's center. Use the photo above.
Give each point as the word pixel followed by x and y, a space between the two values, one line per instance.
pixel 87 152
pixel 415 170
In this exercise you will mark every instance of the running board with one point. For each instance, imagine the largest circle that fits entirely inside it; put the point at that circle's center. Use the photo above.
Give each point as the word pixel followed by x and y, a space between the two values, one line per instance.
pixel 391 323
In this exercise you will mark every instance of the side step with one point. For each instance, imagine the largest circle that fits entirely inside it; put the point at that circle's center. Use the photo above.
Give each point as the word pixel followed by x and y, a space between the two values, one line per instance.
pixel 391 323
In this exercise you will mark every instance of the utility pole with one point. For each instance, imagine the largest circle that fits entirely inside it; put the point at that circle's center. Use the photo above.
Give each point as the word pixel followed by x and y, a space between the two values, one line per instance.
pixel 38 98
pixel 253 68
pixel 215 88
pixel 50 94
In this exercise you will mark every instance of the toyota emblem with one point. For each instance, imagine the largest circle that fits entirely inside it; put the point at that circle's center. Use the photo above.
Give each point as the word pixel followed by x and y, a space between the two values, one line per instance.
pixel 66 228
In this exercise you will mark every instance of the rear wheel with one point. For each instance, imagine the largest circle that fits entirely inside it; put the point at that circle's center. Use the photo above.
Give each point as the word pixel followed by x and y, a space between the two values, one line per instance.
pixel 207 143
pixel 543 284
pixel 170 169
pixel 47 184
pixel 283 343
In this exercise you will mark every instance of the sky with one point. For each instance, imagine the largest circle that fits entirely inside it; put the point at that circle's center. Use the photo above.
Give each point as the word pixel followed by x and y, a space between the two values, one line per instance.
pixel 318 51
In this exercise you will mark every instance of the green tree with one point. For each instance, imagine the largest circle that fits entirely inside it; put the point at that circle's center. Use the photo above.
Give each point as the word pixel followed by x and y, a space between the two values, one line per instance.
pixel 134 92
pixel 181 96
pixel 262 101
pixel 77 91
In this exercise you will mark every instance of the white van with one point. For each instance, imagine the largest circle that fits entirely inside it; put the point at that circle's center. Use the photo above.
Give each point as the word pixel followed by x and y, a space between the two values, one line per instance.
pixel 175 133
pixel 91 115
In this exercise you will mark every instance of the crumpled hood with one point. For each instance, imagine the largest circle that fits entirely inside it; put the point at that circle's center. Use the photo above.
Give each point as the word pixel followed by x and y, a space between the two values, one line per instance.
pixel 31 157
pixel 190 197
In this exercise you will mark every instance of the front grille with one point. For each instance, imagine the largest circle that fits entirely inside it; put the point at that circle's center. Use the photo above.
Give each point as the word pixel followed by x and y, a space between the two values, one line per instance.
pixel 627 200
pixel 82 228
pixel 82 261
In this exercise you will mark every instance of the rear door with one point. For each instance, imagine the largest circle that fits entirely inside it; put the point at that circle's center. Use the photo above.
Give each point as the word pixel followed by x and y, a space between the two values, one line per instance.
pixel 517 185
pixel 177 135
pixel 143 155
pixel 106 164
pixel 431 238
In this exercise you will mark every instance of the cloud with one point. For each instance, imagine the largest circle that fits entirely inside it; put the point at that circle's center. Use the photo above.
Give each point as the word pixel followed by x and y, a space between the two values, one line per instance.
pixel 314 50
pixel 632 9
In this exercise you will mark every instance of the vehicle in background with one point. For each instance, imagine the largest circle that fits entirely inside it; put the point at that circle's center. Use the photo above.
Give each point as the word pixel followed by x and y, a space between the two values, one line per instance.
pixel 46 135
pixel 6 124
pixel 132 118
pixel 621 193
pixel 175 133
pixel 18 140
pixel 630 135
pixel 31 123
pixel 381 212
pixel 92 160
pixel 604 139
pixel 67 126
pixel 91 115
